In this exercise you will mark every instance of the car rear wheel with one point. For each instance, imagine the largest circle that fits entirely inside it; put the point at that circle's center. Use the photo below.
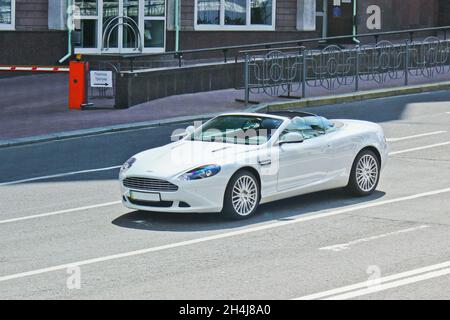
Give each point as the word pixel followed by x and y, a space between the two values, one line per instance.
pixel 242 195
pixel 365 174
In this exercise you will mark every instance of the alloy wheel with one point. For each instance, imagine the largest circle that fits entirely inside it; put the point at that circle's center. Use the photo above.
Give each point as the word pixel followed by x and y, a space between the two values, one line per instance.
pixel 245 195
pixel 367 173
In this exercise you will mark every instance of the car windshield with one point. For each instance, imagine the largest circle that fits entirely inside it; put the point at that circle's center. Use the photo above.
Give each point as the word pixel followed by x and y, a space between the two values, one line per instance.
pixel 238 129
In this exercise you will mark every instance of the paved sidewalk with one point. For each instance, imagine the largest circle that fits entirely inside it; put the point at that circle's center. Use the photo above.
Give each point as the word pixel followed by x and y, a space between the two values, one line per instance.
pixel 37 105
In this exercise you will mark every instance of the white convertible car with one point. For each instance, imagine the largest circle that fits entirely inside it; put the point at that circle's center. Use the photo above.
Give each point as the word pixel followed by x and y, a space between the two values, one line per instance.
pixel 235 162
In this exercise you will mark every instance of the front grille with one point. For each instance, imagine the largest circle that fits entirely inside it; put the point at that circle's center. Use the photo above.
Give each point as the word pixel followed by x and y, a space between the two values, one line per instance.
pixel 160 204
pixel 149 184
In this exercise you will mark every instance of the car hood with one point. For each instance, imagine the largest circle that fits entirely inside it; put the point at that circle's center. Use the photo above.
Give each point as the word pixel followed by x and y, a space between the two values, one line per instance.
pixel 179 157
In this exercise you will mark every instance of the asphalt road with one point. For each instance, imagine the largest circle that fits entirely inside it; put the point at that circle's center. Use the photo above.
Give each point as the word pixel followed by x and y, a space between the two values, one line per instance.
pixel 57 230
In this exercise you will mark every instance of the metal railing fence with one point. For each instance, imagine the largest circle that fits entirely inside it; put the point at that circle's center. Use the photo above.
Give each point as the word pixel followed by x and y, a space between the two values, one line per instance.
pixel 290 72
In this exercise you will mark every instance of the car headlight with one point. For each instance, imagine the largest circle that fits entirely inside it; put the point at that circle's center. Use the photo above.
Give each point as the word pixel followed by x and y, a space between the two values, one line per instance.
pixel 127 165
pixel 201 172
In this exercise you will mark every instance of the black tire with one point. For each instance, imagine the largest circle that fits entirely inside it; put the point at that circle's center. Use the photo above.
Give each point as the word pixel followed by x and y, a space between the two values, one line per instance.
pixel 229 210
pixel 356 188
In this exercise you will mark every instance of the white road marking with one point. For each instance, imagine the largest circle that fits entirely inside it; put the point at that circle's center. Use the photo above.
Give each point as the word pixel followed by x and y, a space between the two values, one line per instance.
pixel 419 148
pixel 57 175
pixel 416 136
pixel 303 218
pixel 54 213
pixel 357 289
pixel 391 285
pixel 345 246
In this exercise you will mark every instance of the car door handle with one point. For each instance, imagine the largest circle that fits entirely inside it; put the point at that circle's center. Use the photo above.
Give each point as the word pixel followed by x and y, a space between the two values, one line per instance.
pixel 265 162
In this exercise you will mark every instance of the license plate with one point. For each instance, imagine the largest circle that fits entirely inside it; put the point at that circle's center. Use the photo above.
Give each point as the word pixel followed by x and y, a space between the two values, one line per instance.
pixel 145 196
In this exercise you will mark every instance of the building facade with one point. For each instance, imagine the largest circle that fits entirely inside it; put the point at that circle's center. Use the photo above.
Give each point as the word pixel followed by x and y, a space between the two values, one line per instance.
pixel 36 31
pixel 32 32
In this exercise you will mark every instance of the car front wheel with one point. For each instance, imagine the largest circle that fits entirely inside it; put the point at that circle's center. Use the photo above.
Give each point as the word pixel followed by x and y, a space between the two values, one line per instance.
pixel 365 174
pixel 242 195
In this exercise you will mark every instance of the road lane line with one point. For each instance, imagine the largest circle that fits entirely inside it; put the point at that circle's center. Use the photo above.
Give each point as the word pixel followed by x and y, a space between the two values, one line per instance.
pixel 419 148
pixel 380 281
pixel 58 175
pixel 391 285
pixel 345 246
pixel 101 205
pixel 416 136
pixel 303 218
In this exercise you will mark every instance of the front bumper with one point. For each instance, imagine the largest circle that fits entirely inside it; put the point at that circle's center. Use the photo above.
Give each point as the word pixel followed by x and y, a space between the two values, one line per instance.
pixel 198 196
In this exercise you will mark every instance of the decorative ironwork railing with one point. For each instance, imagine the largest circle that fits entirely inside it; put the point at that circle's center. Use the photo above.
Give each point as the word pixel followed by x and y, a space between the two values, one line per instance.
pixel 289 72
pixel 330 68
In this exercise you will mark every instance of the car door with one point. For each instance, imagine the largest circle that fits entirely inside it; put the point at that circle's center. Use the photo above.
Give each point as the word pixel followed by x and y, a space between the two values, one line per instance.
pixel 306 163
pixel 341 152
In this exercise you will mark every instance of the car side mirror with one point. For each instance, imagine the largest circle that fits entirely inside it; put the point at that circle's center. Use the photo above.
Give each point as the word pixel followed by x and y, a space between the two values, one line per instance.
pixel 291 137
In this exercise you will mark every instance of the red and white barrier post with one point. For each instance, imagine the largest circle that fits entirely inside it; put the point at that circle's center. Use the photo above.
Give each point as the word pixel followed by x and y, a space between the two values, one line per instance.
pixel 77 70
pixel 34 69
pixel 78 84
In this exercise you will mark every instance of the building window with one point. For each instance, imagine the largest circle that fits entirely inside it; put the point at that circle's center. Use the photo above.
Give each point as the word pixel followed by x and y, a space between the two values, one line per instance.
pixel 235 15
pixel 154 34
pixel 208 12
pixel 154 8
pixel 261 12
pixel 87 8
pixel 154 23
pixel 85 15
pixel 7 14
pixel 235 12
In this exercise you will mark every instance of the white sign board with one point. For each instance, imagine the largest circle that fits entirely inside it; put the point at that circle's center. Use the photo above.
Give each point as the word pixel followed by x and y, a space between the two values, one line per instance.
pixel 101 79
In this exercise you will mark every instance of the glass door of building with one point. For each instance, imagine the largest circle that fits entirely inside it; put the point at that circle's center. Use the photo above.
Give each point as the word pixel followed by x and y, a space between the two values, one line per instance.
pixel 110 24
pixel 340 19
pixel 121 26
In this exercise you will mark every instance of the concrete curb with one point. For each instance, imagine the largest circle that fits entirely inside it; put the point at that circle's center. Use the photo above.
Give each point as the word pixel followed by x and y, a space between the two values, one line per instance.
pixel 101 130
pixel 303 103
pixel 352 97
